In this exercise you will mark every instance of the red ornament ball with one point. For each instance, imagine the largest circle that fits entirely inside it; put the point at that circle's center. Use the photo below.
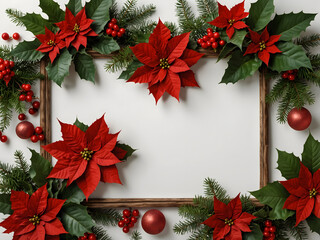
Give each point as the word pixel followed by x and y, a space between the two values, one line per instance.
pixel 16 36
pixel 4 138
pixel 299 119
pixel 32 111
pixel 126 229
pixel 22 116
pixel 36 104
pixel 153 222
pixel 5 36
pixel 25 130
pixel 34 138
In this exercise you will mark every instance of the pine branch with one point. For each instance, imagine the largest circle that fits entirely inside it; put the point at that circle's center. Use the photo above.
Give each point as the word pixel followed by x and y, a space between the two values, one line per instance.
pixel 101 233
pixel 308 42
pixel 129 5
pixel 21 162
pixel 107 217
pixel 15 16
pixel 201 234
pixel 213 188
pixel 186 226
pixel 208 9
pixel 120 61
pixel 137 16
pixel 5 112
pixel 136 236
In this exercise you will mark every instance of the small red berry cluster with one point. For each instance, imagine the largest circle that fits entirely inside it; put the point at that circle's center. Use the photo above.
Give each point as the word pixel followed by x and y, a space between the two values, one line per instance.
pixel 5 70
pixel 212 39
pixel 27 95
pixel 114 30
pixel 128 219
pixel 88 236
pixel 5 36
pixel 3 138
pixel 38 135
pixel 290 75
pixel 269 231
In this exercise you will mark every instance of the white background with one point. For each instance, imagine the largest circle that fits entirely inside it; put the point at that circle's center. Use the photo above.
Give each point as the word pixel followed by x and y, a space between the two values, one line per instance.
pixel 213 131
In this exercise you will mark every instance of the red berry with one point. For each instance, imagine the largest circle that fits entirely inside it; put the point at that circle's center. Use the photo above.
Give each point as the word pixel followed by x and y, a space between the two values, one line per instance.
pixel 272 235
pixel 266 234
pixel 133 219
pixel 119 34
pixel 22 97
pixel 0 133
pixel 34 139
pixel 210 34
pixel 212 40
pixel 11 64
pixel 16 36
pixel 82 238
pixel 12 73
pixel 5 36
pixel 204 45
pixel 291 77
pixel 92 237
pixel 30 93
pixel 215 45
pixel 41 137
pixel 135 213
pixel 209 43
pixel 1 75
pixel 2 67
pixel 216 35
pixel 109 31
pixel 32 111
pixel 209 30
pixel 205 38
pixel 199 41
pixel 116 27
pixel 268 223
pixel 4 138
pixel 272 229
pixel 1 60
pixel 110 25
pixel 126 220
pixel 38 130
pixel 126 229
pixel 36 104
pixel 266 229
pixel 8 71
pixel 113 20
pixel 7 78
pixel 222 43
pixel 131 225
pixel 114 33
pixel 4 72
pixel 21 116
pixel 290 71
pixel 27 87
pixel 29 98
pixel 121 223
pixel 285 75
pixel 122 30
pixel 23 86
pixel 6 63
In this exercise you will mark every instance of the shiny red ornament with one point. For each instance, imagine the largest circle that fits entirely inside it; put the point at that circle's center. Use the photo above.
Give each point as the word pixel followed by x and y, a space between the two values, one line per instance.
pixel 153 222
pixel 16 36
pixel 22 117
pixel 24 130
pixel 4 138
pixel 299 119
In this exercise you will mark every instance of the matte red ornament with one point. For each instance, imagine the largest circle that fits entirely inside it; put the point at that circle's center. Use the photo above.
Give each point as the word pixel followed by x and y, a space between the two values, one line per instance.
pixel 299 119
pixel 24 130
pixel 153 222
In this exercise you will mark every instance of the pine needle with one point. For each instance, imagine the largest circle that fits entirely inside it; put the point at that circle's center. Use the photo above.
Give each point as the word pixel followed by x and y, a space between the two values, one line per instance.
pixel 136 236
pixel 15 16
pixel 101 233
pixel 106 217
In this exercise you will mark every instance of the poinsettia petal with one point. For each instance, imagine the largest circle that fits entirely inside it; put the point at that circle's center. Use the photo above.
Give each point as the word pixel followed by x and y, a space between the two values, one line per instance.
pixel 60 170
pixel 172 84
pixel 304 209
pixel 237 10
pixel 119 152
pixel 110 174
pixel 316 210
pixel 191 57
pixel 230 31
pixel 53 208
pixel 220 22
pixel 240 25
pixel 44 48
pixel 305 177
pixel 220 208
pixel 179 66
pixel 235 234
pixel 265 35
pixel 19 200
pixel 146 54
pixel 10 224
pixel 109 146
pixel 224 11
pixel 188 79
pixel 73 137
pixel 255 37
pixel 244 221
pixel 106 159
pixel 76 43
pixel 98 128
pixel 59 150
pixel 157 90
pixel 159 38
pixel 264 56
pixel 76 168
pixel 273 39
pixel 212 221
pixel 236 207
pixel 38 234
pixel 160 75
pixel 291 203
pixel 53 54
pixel 38 201
pixel 221 231
pixel 176 46
pixel 316 180
pixel 70 39
pixel 143 74
pixel 252 48
pixel 273 49
pixel 24 227
pixel 49 237
pixel 95 145
pixel 54 227
pixel 293 187
pixel 82 40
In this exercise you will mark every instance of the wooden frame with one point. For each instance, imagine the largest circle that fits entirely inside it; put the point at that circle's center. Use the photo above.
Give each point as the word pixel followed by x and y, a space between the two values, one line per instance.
pixel 45 121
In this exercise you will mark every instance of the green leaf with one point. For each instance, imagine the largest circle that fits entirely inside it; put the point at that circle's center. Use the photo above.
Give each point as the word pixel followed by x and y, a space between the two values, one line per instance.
pixel 98 10
pixel 105 45
pixel 290 25
pixel 85 67
pixel 27 51
pixel 5 204
pixel 292 57
pixel 238 38
pixel 240 67
pixel 274 195
pixel 260 14
pixel 76 219
pixel 40 168
pixel 311 154
pixel 73 194
pixel 314 223
pixel 35 23
pixel 74 6
pixel 127 148
pixel 288 164
pixel 81 125
pixel 255 234
pixel 130 70
pixel 226 51
pixel 60 67
pixel 52 9
pixel 54 186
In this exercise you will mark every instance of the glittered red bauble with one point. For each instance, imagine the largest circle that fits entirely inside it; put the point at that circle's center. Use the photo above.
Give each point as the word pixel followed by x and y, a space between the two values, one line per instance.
pixel 299 119
pixel 153 222
pixel 25 130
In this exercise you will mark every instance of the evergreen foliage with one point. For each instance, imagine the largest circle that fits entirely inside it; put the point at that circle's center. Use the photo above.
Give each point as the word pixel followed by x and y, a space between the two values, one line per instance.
pixel 136 236
pixel 15 16
pixel 106 217
pixel 100 233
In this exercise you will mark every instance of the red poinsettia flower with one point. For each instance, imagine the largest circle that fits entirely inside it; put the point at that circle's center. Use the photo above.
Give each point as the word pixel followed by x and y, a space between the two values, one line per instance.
pixel 34 217
pixel 229 221
pixel 86 157
pixel 263 44
pixel 51 43
pixel 230 19
pixel 304 194
pixel 166 63
pixel 76 29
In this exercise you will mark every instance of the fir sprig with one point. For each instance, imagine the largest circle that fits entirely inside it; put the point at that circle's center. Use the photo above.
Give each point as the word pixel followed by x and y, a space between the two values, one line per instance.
pixel 15 16
pixel 136 236
pixel 106 217
pixel 101 233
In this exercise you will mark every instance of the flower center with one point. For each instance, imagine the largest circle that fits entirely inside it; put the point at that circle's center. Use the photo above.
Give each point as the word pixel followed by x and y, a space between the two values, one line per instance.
pixel 228 222
pixel 86 154
pixel 313 193
pixel 76 28
pixel 164 63
pixel 51 43
pixel 262 45
pixel 231 21
pixel 35 220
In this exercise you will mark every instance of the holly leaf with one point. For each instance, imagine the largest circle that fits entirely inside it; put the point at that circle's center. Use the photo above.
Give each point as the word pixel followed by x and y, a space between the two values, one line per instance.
pixel 53 10
pixel 5 204
pixel 40 168
pixel 35 23
pixel 288 164
pixel 76 219
pixel 314 223
pixel 98 10
pixel 128 149
pixel 238 38
pixel 60 67
pixel 83 127
pixel 73 194
pixel 240 67
pixel 255 233
pixel 105 45
pixel 27 51
pixel 130 70
pixel 226 51
pixel 274 195
pixel 290 25
pixel 85 67
pixel 311 154
pixel 74 6
pixel 260 14
pixel 292 57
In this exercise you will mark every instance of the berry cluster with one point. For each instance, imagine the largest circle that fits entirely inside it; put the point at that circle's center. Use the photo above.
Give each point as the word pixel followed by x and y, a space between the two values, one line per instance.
pixel 290 75
pixel 88 236
pixel 269 231
pixel 5 70
pixel 3 138
pixel 114 30
pixel 27 95
pixel 212 39
pixel 38 135
pixel 128 219
pixel 5 36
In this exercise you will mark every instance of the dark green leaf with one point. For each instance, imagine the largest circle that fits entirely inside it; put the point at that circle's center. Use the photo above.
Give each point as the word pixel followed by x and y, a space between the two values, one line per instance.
pixel 52 9
pixel 40 168
pixel 105 45
pixel 240 67
pixel 85 67
pixel 27 51
pixel 311 154
pixel 76 219
pixel 130 70
pixel 35 23
pixel 238 38
pixel 290 25
pixel 81 125
pixel 53 187
pixel 274 195
pixel 127 148
pixel 74 6
pixel 292 57
pixel 60 67
pixel 256 233
pixel 314 223
pixel 288 164
pixel 73 194
pixel 5 204
pixel 260 14
pixel 226 51
pixel 98 10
